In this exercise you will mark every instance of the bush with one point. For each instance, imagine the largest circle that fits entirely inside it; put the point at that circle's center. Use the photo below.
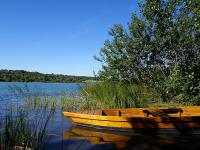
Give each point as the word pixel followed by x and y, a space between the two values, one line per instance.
pixel 184 82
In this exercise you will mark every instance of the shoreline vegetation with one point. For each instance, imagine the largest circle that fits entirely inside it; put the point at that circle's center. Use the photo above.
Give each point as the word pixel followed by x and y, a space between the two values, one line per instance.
pixel 17 133
pixel 26 76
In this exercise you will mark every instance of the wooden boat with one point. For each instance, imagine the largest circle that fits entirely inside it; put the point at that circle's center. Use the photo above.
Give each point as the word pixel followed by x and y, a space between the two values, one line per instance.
pixel 138 118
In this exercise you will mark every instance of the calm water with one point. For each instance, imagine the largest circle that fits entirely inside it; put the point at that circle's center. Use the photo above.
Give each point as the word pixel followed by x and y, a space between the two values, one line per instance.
pixel 63 136
pixel 14 94
pixel 48 88
pixel 9 92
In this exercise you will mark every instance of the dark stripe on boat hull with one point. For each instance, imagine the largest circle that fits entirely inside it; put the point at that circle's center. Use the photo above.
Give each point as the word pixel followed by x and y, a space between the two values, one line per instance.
pixel 144 130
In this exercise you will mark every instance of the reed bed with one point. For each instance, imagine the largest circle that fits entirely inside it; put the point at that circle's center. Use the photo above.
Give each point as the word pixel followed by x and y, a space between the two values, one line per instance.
pixel 21 132
pixel 97 95
pixel 22 129
pixel 106 95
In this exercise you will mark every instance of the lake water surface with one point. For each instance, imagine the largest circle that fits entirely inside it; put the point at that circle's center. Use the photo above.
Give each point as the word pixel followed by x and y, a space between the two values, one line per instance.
pixel 9 90
pixel 63 136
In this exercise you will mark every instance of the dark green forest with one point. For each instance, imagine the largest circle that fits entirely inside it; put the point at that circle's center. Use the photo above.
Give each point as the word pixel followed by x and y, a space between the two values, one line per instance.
pixel 25 76
pixel 160 48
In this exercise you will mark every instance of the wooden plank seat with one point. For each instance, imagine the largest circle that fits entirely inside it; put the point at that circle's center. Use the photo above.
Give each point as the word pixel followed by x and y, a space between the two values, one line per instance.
pixel 162 112
pixel 111 113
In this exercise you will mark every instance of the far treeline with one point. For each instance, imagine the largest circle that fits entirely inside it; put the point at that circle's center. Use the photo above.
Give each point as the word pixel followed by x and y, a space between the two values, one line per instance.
pixel 25 76
pixel 160 48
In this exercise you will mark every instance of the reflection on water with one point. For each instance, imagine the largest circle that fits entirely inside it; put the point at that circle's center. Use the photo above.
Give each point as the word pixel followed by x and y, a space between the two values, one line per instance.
pixel 84 138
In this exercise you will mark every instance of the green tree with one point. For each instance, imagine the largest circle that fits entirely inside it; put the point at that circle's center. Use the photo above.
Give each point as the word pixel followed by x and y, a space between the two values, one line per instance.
pixel 163 38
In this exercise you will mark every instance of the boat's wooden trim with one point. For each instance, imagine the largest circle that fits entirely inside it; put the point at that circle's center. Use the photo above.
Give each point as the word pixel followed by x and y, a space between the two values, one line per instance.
pixel 132 119
pixel 138 112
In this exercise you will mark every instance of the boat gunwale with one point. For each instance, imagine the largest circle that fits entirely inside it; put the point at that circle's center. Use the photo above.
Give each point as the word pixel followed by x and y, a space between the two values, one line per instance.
pixel 132 118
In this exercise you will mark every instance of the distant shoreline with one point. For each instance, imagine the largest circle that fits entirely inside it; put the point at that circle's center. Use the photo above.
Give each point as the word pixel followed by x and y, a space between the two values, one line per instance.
pixel 26 76
pixel 39 82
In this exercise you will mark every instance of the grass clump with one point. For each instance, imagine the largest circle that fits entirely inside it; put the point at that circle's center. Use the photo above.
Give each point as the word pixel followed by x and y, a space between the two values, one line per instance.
pixel 19 132
pixel 106 95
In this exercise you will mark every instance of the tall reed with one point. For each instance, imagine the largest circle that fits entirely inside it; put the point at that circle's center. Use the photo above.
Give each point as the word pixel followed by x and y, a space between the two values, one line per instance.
pixel 116 95
pixel 20 132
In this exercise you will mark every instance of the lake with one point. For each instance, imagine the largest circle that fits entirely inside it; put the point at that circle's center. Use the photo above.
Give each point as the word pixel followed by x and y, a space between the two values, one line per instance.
pixel 10 90
pixel 62 135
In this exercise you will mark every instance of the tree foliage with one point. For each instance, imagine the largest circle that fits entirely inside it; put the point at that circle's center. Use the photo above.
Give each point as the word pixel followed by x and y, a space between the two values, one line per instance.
pixel 160 48
pixel 24 76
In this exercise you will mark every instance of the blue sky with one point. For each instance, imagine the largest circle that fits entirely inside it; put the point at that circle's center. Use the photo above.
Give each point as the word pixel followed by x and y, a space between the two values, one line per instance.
pixel 58 36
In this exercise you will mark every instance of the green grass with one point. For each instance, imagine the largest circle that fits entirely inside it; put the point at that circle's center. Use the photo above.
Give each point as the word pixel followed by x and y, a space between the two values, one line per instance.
pixel 105 95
